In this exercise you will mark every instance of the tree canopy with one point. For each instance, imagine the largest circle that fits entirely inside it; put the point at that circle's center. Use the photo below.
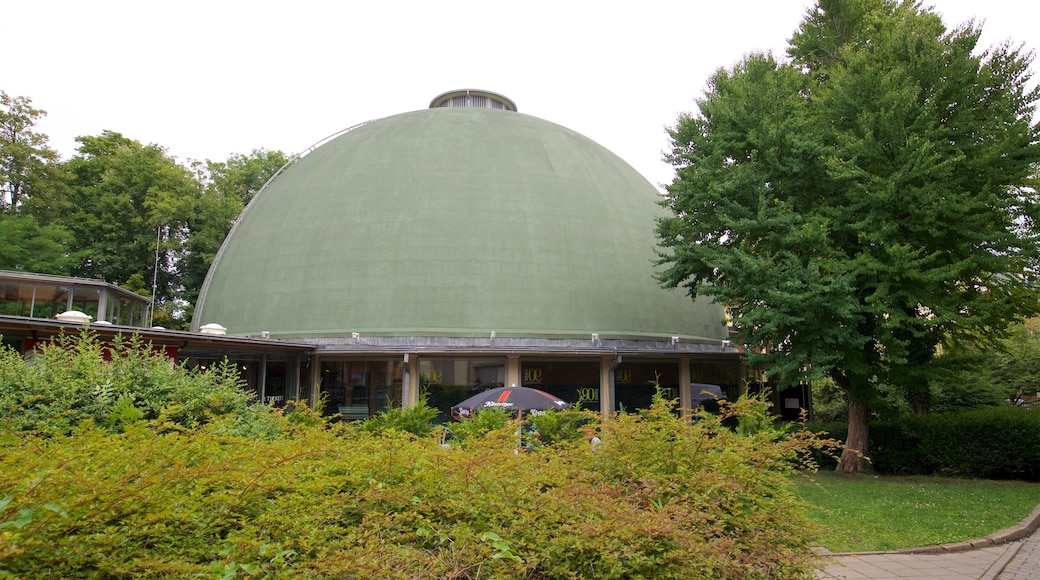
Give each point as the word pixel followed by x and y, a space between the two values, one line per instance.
pixel 25 158
pixel 862 201
pixel 125 198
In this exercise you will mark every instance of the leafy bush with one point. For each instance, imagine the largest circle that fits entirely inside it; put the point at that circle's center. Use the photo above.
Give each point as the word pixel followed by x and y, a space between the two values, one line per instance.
pixel 442 397
pixel 895 447
pixel 996 442
pixel 657 497
pixel 835 430
pixel 554 426
pixel 417 420
pixel 478 426
pixel 77 377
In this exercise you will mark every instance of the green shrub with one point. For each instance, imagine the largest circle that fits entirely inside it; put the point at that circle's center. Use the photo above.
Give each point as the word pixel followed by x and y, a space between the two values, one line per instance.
pixel 417 420
pixel 994 443
pixel 835 430
pixel 552 426
pixel 479 425
pixel 443 397
pixel 77 377
pixel 895 447
pixel 657 497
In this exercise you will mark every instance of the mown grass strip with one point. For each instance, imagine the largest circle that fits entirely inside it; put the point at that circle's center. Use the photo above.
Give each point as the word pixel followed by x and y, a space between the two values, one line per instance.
pixel 867 512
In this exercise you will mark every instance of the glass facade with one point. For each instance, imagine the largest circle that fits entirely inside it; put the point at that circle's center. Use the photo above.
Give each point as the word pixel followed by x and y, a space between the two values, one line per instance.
pixel 722 372
pixel 635 382
pixel 27 296
pixel 37 300
pixel 448 381
pixel 125 312
pixel 357 389
pixel 574 381
pixel 86 300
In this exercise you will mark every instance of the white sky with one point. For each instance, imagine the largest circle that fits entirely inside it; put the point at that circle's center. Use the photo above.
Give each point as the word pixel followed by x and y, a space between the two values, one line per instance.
pixel 206 79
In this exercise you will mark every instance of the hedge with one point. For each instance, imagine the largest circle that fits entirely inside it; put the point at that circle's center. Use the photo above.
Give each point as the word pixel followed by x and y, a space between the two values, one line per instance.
pixel 992 443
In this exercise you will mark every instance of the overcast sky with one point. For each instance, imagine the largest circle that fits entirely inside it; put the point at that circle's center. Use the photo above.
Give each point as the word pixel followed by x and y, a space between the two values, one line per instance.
pixel 206 79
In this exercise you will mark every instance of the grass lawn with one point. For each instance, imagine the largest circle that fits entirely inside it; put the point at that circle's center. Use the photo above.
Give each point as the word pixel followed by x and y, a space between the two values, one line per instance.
pixel 866 512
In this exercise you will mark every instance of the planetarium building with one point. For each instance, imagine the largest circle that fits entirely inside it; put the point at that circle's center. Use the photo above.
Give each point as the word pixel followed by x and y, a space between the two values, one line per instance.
pixel 458 246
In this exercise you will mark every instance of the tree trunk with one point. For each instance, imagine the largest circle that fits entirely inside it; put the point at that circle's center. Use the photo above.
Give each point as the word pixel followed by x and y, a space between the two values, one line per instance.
pixel 854 456
pixel 920 408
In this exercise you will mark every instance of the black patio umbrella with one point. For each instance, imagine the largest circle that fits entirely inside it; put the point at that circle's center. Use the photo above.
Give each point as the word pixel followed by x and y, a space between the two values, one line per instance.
pixel 523 400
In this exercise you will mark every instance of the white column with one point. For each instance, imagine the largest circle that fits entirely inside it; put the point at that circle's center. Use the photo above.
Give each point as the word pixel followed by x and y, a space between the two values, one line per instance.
pixel 513 370
pixel 685 392
pixel 607 395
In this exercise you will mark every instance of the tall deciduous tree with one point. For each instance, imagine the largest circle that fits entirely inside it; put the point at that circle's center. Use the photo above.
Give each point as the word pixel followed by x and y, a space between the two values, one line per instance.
pixel 28 246
pixel 128 203
pixel 26 161
pixel 861 203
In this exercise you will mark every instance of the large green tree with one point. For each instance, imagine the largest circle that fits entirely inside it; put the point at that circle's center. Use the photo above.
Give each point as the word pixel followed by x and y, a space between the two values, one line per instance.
pixel 243 176
pixel 119 210
pixel 26 161
pixel 128 209
pixel 28 246
pixel 29 169
pixel 863 201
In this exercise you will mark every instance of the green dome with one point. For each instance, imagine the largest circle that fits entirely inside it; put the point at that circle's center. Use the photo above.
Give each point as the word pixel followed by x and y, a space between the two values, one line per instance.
pixel 451 222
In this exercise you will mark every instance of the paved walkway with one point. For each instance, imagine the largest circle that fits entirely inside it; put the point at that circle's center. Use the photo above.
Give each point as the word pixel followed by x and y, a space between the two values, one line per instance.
pixel 1025 565
pixel 1010 554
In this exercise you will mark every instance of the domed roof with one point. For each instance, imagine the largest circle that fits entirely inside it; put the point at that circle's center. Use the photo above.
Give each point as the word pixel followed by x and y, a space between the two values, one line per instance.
pixel 451 222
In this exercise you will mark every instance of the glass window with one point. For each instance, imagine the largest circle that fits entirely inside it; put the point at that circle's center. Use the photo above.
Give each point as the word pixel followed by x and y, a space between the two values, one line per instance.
pixel 572 381
pixel 449 381
pixel 86 300
pixel 722 372
pixel 50 300
pixel 635 382
pixel 357 389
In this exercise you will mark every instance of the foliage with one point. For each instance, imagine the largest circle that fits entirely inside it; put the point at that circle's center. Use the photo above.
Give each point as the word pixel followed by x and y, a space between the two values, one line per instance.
pixel 28 246
pixel 78 378
pixel 553 427
pixel 659 497
pixel 480 424
pixel 966 381
pixel 963 377
pixel 864 202
pixel 243 176
pixel 994 442
pixel 1016 365
pixel 856 511
pixel 127 206
pixel 974 375
pixel 828 401
pixel 417 419
pixel 442 397
pixel 27 164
